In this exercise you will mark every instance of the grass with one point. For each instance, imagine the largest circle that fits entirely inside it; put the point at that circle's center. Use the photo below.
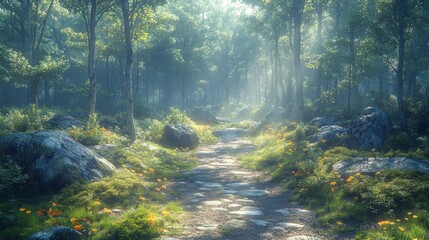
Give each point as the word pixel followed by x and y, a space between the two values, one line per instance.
pixel 344 204
pixel 139 189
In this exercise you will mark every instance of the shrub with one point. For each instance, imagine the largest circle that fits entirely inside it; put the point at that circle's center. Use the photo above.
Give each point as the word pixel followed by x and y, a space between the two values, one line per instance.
pixel 177 117
pixel 11 176
pixel 89 136
pixel 155 130
pixel 21 120
pixel 141 223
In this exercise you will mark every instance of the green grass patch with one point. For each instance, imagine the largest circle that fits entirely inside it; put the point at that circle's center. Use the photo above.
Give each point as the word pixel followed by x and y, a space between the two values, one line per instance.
pixel 348 203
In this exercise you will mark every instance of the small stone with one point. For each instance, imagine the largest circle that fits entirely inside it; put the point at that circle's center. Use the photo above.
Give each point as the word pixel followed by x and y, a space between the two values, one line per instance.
pixel 195 200
pixel 290 225
pixel 212 185
pixel 234 205
pixel 240 173
pixel 302 237
pixel 237 185
pixel 204 189
pixel 266 236
pixel 207 227
pixel 278 229
pixel 248 211
pixel 200 195
pixel 226 200
pixel 252 193
pixel 212 203
pixel 229 195
pixel 236 223
pixel 229 192
pixel 259 223
pixel 219 209
pixel 116 211
pixel 245 201
pixel 283 211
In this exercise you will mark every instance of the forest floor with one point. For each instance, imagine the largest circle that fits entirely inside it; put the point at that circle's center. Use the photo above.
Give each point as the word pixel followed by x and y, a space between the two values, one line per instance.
pixel 224 201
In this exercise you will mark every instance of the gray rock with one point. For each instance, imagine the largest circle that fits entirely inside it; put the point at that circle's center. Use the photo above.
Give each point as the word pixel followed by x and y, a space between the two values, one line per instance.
pixel 290 225
pixel 302 237
pixel 57 233
pixel 252 193
pixel 203 115
pixel 63 122
pixel 213 203
pixel 181 135
pixel 331 134
pixel 373 165
pixel 323 121
pixel 282 211
pixel 236 223
pixel 248 211
pixel 370 129
pixel 259 223
pixel 53 159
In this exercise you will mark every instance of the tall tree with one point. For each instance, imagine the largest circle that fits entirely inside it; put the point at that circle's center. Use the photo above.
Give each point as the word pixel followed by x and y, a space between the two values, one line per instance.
pixel 297 12
pixel 91 12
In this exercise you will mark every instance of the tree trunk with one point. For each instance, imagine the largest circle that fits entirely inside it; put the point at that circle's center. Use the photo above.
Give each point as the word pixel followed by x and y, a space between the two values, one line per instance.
pixel 91 58
pixel 401 4
pixel 47 87
pixel 129 110
pixel 319 11
pixel 298 7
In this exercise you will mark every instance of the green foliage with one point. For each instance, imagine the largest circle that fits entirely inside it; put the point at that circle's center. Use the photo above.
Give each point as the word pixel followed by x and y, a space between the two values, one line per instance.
pixel 118 189
pixel 90 135
pixel 21 120
pixel 154 130
pixel 141 223
pixel 401 140
pixel 11 177
pixel 177 117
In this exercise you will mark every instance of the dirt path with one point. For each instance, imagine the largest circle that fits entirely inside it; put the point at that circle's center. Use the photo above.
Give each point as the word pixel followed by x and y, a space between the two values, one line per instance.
pixel 224 201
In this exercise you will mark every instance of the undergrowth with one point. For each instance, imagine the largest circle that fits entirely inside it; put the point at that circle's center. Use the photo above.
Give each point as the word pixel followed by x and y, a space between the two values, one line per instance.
pixel 354 203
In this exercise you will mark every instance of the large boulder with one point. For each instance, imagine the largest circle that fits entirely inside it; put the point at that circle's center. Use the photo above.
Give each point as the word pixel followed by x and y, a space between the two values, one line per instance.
pixel 276 115
pixel 63 121
pixel 373 165
pixel 57 233
pixel 181 135
pixel 53 159
pixel 331 135
pixel 203 115
pixel 323 121
pixel 370 129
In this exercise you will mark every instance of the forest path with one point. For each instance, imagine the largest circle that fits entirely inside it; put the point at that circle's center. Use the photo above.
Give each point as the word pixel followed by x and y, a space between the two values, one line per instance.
pixel 224 201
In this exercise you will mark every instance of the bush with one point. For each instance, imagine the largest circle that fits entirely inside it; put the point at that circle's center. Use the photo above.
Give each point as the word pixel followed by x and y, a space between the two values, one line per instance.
pixel 11 176
pixel 89 136
pixel 21 120
pixel 155 130
pixel 177 117
pixel 141 223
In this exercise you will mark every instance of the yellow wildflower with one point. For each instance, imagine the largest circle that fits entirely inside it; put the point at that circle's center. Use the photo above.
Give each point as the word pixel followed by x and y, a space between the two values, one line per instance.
pixel 54 204
pixel 415 216
pixel 385 222
pixel 73 219
pixel 94 230
pixel 97 203
pixel 107 210
pixel 141 198
pixel 28 211
pixel 158 180
pixel 22 209
pixel 152 170
pixel 350 179
pixel 151 219
pixel 339 223
pixel 401 229
pixel 409 213
pixel 333 183
pixel 165 213
pixel 377 173
pixel 406 219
